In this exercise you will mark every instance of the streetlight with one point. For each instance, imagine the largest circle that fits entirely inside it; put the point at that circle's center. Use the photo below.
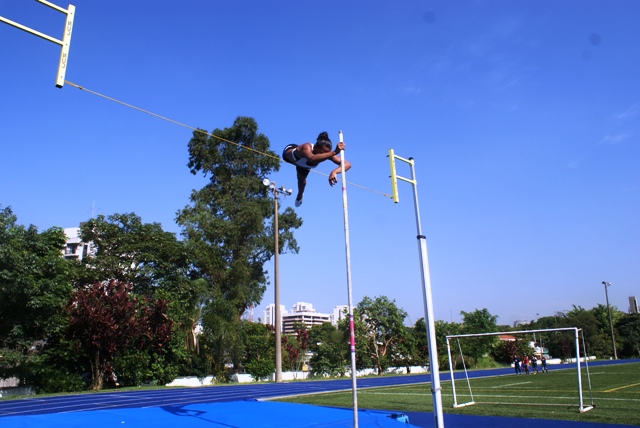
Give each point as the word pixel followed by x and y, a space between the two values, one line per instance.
pixel 276 262
pixel 613 340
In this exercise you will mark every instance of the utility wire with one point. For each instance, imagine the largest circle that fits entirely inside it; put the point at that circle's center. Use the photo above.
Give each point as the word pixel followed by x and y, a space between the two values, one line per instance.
pixel 175 122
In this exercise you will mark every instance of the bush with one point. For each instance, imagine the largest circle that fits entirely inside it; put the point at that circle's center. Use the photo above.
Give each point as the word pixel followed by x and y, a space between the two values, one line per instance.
pixel 260 369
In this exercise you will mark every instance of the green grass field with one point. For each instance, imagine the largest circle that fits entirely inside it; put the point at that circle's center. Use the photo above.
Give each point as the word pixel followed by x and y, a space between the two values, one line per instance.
pixel 554 395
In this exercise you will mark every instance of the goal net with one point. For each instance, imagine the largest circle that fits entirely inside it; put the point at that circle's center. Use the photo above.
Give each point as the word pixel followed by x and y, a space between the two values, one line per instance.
pixel 501 389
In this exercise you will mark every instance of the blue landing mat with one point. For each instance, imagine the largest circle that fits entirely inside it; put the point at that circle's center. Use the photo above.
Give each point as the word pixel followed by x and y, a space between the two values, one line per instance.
pixel 472 421
pixel 233 414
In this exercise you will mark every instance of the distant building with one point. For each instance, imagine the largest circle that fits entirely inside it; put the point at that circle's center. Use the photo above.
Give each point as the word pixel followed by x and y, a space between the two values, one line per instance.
pixel 518 323
pixel 309 319
pixel 506 338
pixel 74 248
pixel 339 312
pixel 303 313
pixel 633 305
pixel 270 314
pixel 302 307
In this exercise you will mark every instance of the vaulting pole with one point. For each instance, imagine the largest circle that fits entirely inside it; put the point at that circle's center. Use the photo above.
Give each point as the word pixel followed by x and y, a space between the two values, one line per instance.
pixel 352 335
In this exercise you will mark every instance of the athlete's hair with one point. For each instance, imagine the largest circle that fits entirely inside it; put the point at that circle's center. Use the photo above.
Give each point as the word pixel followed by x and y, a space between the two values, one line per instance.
pixel 323 140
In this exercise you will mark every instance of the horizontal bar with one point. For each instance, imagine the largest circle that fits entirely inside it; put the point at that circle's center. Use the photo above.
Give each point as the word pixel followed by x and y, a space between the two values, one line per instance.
pixel 405 179
pixel 30 30
pixel 53 6
pixel 409 161
pixel 514 332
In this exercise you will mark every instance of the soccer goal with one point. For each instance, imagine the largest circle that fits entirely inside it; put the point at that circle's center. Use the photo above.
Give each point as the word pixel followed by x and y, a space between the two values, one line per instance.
pixel 469 399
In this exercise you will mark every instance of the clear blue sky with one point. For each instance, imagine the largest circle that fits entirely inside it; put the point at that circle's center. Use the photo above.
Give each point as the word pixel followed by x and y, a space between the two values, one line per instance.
pixel 523 119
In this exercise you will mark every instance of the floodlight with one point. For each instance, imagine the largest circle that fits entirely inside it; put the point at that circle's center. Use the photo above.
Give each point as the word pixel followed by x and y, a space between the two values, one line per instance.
pixel 266 182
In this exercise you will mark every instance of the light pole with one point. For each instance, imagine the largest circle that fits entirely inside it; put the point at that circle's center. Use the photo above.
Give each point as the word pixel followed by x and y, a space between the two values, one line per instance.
pixel 276 272
pixel 613 340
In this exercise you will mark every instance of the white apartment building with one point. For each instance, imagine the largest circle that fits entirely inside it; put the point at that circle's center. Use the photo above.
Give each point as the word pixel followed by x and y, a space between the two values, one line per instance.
pixel 270 314
pixel 308 318
pixel 302 313
pixel 74 248
pixel 339 312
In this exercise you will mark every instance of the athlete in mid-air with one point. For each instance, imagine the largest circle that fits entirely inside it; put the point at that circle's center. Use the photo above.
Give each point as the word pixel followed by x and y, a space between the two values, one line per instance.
pixel 307 156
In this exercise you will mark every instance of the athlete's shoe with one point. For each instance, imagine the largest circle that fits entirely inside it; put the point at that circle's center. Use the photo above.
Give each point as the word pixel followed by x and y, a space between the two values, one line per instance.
pixel 298 202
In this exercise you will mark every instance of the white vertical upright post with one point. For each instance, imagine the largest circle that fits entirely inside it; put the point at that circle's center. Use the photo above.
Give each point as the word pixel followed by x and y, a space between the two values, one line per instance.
pixel 276 271
pixel 352 335
pixel 577 340
pixel 453 382
pixel 436 389
pixel 66 42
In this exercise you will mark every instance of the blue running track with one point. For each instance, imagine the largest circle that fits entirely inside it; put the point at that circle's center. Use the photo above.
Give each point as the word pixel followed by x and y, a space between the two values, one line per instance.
pixel 237 406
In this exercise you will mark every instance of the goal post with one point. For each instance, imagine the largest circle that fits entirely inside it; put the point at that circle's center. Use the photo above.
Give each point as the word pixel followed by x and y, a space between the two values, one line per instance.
pixel 576 333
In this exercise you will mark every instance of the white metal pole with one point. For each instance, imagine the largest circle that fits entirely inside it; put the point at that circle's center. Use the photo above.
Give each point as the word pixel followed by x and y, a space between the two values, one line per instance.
pixel 352 335
pixel 613 340
pixel 577 340
pixel 276 262
pixel 64 51
pixel 453 383
pixel 434 370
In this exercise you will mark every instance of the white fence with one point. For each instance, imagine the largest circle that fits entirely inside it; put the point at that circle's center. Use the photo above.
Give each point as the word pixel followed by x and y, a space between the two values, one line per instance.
pixel 193 381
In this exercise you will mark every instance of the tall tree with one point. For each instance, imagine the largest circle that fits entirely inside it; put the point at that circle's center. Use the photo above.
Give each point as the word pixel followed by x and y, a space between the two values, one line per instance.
pixel 228 226
pixel 158 267
pixel 384 330
pixel 629 328
pixel 35 284
pixel 259 350
pixel 137 253
pixel 108 320
pixel 329 346
pixel 602 345
pixel 478 321
pixel 443 329
pixel 295 347
pixel 598 340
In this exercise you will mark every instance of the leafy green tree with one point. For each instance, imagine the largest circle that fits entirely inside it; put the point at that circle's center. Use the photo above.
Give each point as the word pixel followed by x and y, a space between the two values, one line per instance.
pixel 362 354
pixel 35 284
pixel 629 329
pixel 504 351
pixel 149 360
pixel 229 229
pixel 108 321
pixel 259 350
pixel 443 329
pixel 221 339
pixel 601 342
pixel 158 267
pixel 478 321
pixel 556 321
pixel 384 330
pixel 295 347
pixel 421 347
pixel 405 350
pixel 330 348
pixel 137 253
pixel 597 342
